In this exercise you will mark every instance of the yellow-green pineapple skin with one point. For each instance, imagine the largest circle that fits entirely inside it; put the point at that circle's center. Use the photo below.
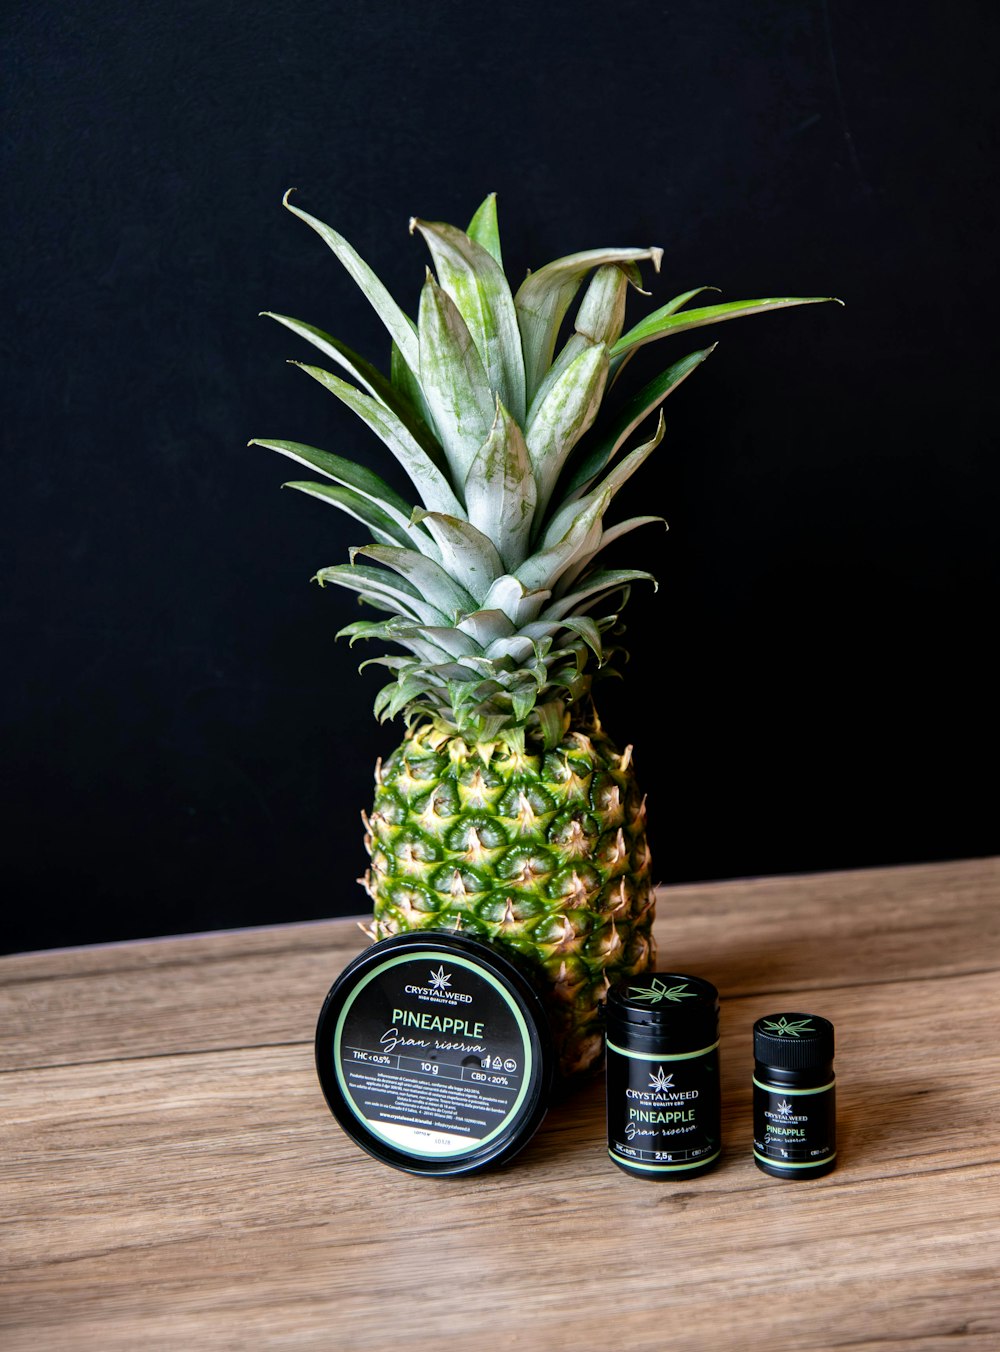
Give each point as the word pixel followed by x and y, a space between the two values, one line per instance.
pixel 543 854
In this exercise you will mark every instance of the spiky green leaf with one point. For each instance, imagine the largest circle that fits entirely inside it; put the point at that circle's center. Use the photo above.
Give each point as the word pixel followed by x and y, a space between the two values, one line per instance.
pixel 592 589
pixel 588 631
pixel 544 297
pixel 399 697
pixel 551 720
pixel 383 590
pixel 593 458
pixel 431 581
pixel 420 647
pixel 486 626
pixel 517 649
pixel 378 522
pixel 379 298
pixel 400 401
pixel 601 316
pixel 522 702
pixel 453 380
pixel 619 362
pixel 466 553
pixel 347 472
pixel 564 415
pixel 599 320
pixel 423 639
pixel 616 532
pixel 474 280
pixel 560 546
pixel 356 477
pixel 430 483
pixel 664 321
pixel 489 725
pixel 406 383
pixel 500 492
pixel 584 561
pixel 516 599
pixel 620 474
pixel 454 641
pixel 606 489
pixel 485 229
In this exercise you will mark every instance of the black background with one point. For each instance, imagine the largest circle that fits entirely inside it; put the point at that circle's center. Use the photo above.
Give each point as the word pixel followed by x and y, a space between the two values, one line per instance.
pixel 188 748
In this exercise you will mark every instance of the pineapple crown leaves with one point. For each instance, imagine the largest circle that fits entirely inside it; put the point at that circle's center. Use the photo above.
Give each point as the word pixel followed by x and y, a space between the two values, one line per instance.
pixel 491 575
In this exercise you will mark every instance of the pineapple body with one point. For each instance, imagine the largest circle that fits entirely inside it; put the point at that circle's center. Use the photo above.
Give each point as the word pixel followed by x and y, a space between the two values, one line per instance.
pixel 541 852
pixel 506 812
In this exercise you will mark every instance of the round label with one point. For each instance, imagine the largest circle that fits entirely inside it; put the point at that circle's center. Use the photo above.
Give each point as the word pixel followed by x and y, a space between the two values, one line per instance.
pixel 432 1054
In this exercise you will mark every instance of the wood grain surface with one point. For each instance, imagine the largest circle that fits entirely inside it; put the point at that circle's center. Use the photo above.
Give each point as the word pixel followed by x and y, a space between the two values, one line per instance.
pixel 172 1178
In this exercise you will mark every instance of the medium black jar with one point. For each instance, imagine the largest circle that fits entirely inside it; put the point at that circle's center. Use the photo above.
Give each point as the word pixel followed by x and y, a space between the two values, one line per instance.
pixel 664 1112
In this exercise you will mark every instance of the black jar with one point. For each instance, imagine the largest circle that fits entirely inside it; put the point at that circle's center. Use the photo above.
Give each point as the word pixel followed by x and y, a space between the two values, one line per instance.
pixel 664 1112
pixel 794 1097
pixel 434 1054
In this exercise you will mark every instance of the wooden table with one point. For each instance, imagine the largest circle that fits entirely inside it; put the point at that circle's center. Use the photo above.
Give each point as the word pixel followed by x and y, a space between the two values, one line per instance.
pixel 173 1179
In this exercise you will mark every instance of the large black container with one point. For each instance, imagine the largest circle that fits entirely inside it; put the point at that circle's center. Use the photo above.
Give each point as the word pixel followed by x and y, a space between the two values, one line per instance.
pixel 434 1054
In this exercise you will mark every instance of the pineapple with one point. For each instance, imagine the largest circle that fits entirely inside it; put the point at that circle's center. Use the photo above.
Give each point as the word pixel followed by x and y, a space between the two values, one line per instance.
pixel 507 812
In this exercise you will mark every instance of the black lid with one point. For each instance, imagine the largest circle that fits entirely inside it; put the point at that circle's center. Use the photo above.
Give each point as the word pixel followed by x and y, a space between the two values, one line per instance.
pixel 477 1025
pixel 793 1041
pixel 684 1009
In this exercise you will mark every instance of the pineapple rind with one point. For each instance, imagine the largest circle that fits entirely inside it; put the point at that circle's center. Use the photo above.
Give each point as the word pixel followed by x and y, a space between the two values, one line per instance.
pixel 542 854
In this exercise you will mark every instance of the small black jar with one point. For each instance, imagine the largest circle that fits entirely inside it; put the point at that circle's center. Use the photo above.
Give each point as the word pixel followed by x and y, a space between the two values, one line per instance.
pixel 664 1112
pixel 794 1098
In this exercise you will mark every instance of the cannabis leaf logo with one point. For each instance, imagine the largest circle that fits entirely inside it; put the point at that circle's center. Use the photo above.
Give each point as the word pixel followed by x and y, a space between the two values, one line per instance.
pixel 659 1081
pixel 793 1027
pixel 785 1109
pixel 658 990
pixel 440 980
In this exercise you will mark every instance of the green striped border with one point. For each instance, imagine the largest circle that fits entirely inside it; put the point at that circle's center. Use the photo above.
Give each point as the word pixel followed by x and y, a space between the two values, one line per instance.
pixel 663 1168
pixel 677 1056
pixel 791 1164
pixel 780 1088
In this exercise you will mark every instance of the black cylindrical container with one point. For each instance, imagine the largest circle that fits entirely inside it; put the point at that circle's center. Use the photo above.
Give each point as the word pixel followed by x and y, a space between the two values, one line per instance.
pixel 434 1054
pixel 794 1104
pixel 664 1113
